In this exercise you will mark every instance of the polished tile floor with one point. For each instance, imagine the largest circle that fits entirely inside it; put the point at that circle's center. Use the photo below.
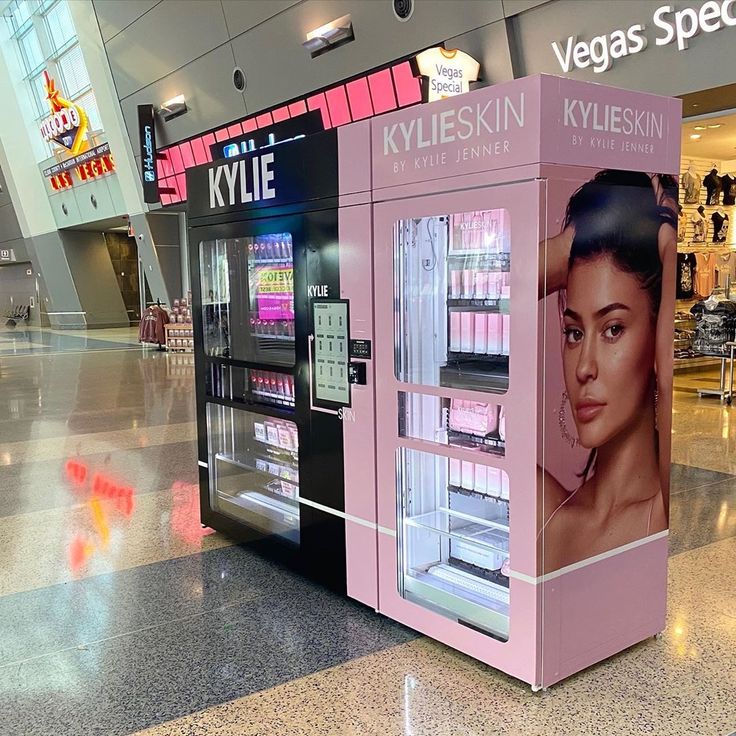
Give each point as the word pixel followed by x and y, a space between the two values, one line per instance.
pixel 133 619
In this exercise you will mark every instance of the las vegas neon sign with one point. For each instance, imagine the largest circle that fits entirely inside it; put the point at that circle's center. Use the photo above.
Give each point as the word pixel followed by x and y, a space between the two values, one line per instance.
pixel 67 125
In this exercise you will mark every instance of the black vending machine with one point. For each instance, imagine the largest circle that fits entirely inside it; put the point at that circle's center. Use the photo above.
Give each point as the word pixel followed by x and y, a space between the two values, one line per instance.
pixel 263 246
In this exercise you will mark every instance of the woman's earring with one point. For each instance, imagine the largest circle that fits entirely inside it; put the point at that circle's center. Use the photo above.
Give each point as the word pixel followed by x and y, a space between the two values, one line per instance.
pixel 562 418
pixel 656 409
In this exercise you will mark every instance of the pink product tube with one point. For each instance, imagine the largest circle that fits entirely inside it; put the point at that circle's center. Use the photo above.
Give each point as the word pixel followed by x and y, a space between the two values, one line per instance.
pixel 481 284
pixel 456 288
pixel 481 478
pixel 455 473
pixel 466 332
pixel 506 285
pixel 504 486
pixel 480 344
pixel 493 289
pixel 506 334
pixel 493 482
pixel 467 475
pixel 455 331
pixel 502 424
pixel 467 284
pixel 494 334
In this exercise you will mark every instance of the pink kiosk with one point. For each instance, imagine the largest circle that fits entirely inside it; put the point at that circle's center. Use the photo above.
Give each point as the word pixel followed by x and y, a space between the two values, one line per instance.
pixel 522 301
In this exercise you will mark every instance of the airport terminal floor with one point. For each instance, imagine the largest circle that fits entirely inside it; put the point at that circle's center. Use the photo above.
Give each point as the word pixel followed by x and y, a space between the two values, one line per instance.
pixel 127 617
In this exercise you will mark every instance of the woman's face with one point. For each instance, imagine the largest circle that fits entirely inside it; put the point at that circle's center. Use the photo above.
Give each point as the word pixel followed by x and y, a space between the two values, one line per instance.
pixel 608 350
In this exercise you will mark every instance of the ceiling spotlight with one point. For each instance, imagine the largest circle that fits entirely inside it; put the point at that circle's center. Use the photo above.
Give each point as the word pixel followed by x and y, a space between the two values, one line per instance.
pixel 715 125
pixel 329 36
pixel 173 108
pixel 695 137
pixel 699 127
pixel 695 104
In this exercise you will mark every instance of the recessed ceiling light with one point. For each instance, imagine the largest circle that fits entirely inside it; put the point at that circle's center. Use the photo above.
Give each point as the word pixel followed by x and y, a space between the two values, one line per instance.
pixel 715 125
pixel 695 137
pixel 695 104
pixel 699 127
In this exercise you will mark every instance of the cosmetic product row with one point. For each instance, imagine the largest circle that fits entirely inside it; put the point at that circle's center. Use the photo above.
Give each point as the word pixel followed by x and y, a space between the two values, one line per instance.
pixel 272 385
pixel 479 478
pixel 480 333
pixel 271 327
pixel 271 247
pixel 277 433
pixel 477 418
pixel 474 284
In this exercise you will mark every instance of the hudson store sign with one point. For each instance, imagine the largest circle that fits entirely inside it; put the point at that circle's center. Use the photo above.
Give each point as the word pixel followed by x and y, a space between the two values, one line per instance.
pixel 671 26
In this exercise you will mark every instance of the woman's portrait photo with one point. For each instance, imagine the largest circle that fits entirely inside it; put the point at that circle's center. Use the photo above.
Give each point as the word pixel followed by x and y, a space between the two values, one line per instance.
pixel 611 269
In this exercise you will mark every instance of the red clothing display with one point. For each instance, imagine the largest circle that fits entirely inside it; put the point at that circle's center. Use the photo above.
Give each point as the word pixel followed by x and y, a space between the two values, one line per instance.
pixel 152 325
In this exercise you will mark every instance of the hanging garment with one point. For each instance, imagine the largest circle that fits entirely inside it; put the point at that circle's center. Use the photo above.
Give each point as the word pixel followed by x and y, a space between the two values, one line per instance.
pixel 728 185
pixel 726 268
pixel 712 184
pixel 151 329
pixel 691 184
pixel 715 324
pixel 686 264
pixel 720 227
pixel 705 273
pixel 681 227
pixel 699 228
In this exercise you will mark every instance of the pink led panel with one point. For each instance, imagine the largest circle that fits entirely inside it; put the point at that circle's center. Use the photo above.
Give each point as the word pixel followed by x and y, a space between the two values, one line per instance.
pixel 186 154
pixel 408 87
pixel 318 102
pixel 235 129
pixel 281 114
pixel 337 101
pixel 177 164
pixel 382 91
pixel 200 157
pixel 297 108
pixel 263 121
pixel 222 135
pixel 250 125
pixel 360 99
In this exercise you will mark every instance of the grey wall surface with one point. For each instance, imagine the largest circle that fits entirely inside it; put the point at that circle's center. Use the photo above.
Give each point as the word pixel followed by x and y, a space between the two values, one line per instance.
pixel 190 47
pixel 16 287
pixel 707 62
pixel 161 49
pixel 94 278
pixel 11 237
pixel 165 234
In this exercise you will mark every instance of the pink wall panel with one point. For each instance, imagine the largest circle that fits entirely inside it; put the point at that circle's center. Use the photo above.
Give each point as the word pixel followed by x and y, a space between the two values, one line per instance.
pixel 281 114
pixel 360 99
pixel 263 121
pixel 382 91
pixel 337 101
pixel 200 156
pixel 408 89
pixel 318 102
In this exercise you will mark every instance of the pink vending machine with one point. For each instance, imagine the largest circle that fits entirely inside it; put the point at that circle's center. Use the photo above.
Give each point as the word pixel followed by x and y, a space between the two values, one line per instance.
pixel 524 250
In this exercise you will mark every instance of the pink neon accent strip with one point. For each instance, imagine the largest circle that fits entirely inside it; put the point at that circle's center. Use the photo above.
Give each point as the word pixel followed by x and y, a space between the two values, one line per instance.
pixel 281 114
pixel 208 141
pixel 181 181
pixel 264 120
pixel 186 154
pixel 222 135
pixel 318 102
pixel 298 108
pixel 360 99
pixel 235 129
pixel 177 164
pixel 338 103
pixel 200 156
pixel 250 125
pixel 382 91
pixel 163 165
pixel 408 87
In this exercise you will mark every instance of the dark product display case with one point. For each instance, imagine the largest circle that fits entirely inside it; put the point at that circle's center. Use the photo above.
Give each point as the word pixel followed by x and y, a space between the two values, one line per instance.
pixel 264 227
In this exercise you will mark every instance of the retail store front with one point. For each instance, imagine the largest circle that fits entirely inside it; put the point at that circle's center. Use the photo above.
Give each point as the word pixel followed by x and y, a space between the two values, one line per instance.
pixel 706 273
